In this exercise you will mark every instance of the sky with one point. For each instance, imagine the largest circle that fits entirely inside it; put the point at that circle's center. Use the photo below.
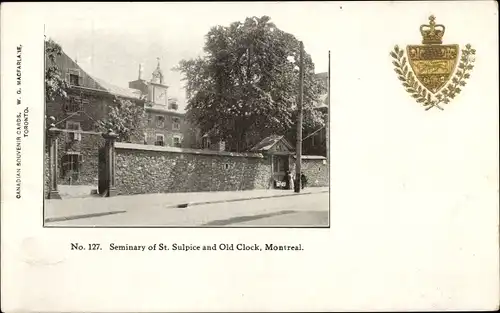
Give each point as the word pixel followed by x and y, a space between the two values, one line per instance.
pixel 111 40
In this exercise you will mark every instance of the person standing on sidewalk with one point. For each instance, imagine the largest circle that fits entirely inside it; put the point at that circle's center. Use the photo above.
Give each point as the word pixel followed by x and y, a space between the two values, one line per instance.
pixel 290 178
pixel 286 180
pixel 303 180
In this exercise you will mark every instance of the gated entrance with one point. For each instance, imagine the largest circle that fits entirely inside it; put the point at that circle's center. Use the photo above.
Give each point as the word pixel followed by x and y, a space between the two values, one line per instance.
pixel 103 180
pixel 76 165
pixel 280 151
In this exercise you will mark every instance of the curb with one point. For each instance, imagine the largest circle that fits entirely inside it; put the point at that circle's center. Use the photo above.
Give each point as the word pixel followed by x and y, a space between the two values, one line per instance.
pixel 176 206
pixel 75 217
pixel 185 205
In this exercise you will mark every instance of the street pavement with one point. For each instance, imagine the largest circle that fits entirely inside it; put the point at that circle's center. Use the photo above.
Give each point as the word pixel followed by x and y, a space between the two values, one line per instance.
pixel 304 210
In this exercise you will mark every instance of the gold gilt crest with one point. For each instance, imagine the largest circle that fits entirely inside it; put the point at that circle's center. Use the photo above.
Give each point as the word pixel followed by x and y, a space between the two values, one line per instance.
pixel 433 73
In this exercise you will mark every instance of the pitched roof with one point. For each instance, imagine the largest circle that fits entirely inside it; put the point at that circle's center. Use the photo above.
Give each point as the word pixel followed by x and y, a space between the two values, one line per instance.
pixel 164 109
pixel 322 75
pixel 102 84
pixel 268 142
pixel 118 91
pixel 323 101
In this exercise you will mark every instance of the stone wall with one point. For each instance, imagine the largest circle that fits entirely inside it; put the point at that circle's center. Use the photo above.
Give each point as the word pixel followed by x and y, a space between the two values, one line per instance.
pixel 154 169
pixel 315 168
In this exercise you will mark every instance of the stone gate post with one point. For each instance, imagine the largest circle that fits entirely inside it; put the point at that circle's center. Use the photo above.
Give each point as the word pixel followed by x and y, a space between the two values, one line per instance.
pixel 53 134
pixel 110 138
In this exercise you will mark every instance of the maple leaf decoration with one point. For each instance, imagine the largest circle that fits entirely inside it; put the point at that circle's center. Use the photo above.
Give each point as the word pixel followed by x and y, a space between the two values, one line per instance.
pixel 422 95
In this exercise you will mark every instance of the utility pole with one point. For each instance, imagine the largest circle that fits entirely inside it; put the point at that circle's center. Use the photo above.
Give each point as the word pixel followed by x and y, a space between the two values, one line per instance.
pixel 298 164
pixel 92 38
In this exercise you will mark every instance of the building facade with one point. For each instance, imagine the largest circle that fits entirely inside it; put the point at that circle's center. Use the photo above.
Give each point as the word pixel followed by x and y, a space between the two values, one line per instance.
pixel 315 143
pixel 165 123
pixel 89 100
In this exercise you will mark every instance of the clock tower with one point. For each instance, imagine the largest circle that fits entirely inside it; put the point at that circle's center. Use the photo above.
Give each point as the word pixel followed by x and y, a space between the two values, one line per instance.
pixel 157 91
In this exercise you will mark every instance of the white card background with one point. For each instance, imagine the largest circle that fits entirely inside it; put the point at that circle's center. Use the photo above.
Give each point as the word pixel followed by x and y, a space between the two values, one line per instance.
pixel 414 193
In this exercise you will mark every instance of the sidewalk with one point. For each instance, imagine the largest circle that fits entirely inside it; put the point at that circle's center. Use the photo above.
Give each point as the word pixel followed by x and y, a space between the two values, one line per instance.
pixel 73 208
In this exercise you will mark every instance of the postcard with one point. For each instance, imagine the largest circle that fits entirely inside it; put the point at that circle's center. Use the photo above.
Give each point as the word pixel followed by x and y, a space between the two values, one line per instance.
pixel 253 156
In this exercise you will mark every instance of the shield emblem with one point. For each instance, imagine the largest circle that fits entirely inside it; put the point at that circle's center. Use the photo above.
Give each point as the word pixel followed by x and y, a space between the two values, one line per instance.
pixel 436 73
pixel 433 65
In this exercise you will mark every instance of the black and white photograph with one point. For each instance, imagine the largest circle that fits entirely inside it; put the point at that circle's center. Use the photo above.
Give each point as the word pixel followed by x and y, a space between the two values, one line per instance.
pixel 256 156
pixel 166 124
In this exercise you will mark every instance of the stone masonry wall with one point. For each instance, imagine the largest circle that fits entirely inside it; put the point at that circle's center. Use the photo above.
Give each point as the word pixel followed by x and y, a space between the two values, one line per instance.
pixel 315 171
pixel 153 169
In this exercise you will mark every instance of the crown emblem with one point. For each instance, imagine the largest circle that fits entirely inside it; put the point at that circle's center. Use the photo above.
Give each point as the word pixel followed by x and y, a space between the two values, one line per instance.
pixel 433 73
pixel 432 33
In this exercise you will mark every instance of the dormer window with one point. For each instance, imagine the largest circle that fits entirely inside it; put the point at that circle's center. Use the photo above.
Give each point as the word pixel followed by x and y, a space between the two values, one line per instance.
pixel 74 80
pixel 73 77
pixel 172 105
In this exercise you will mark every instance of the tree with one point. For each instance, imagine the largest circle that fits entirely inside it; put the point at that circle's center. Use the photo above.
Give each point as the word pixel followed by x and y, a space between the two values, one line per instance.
pixel 245 87
pixel 55 85
pixel 126 118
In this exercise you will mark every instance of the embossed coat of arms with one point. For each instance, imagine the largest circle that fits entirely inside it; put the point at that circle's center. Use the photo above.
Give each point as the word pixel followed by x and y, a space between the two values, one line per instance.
pixel 433 73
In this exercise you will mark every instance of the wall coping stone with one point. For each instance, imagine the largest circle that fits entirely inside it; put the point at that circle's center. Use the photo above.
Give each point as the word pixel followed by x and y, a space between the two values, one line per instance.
pixel 134 146
pixel 312 157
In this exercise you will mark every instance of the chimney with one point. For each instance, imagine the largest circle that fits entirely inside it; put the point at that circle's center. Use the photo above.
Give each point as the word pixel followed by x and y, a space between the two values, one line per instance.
pixel 140 71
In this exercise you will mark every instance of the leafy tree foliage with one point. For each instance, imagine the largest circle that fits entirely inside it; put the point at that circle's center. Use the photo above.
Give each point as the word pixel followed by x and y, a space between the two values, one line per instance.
pixel 246 85
pixel 55 85
pixel 125 118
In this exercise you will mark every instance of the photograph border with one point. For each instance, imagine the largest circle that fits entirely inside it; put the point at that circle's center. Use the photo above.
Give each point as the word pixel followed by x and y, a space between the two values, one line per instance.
pixel 44 219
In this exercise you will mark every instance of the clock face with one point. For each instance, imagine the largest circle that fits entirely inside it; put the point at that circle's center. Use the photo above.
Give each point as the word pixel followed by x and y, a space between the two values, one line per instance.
pixel 160 95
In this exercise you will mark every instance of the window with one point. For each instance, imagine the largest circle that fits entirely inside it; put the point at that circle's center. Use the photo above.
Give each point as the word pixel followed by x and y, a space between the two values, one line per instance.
pixel 279 164
pixel 176 123
pixel 150 120
pixel 145 138
pixel 75 104
pixel 174 106
pixel 205 141
pixel 177 141
pixel 160 121
pixel 160 140
pixel 71 167
pixel 222 146
pixel 74 126
pixel 73 77
pixel 74 80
